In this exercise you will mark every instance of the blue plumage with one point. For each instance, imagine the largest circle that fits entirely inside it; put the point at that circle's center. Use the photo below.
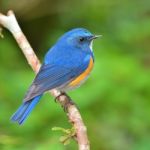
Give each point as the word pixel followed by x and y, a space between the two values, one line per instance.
pixel 63 63
pixel 24 110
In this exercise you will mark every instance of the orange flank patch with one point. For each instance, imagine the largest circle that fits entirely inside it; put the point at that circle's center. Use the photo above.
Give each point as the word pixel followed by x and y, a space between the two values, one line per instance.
pixel 82 76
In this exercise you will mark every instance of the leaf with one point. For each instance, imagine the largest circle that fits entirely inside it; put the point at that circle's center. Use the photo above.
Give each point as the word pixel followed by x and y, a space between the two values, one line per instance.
pixel 68 134
pixel 65 139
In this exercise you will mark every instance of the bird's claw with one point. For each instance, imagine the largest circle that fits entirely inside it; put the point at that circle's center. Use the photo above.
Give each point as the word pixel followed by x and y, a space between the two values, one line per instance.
pixel 66 103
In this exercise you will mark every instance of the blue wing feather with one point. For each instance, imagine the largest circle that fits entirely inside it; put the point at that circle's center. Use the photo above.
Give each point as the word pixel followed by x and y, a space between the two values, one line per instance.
pixel 51 76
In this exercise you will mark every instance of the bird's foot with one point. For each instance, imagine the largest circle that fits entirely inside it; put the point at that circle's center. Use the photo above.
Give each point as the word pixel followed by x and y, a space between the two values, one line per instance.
pixel 66 101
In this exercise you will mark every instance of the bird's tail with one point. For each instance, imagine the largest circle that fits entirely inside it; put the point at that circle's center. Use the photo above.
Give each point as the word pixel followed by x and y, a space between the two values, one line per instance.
pixel 24 110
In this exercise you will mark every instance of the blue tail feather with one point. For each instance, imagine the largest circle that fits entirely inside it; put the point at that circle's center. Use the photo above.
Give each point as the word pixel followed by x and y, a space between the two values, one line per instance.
pixel 24 110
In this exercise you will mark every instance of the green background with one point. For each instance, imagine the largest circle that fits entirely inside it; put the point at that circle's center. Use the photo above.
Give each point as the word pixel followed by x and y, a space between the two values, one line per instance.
pixel 114 102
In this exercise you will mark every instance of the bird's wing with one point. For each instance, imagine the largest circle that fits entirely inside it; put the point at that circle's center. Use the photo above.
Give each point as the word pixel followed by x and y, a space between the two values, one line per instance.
pixel 51 76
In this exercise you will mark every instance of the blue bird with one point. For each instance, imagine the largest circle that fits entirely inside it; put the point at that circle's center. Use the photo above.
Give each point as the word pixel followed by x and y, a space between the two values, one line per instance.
pixel 66 66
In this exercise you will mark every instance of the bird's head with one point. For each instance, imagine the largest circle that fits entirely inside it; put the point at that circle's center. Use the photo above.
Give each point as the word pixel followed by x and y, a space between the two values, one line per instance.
pixel 79 38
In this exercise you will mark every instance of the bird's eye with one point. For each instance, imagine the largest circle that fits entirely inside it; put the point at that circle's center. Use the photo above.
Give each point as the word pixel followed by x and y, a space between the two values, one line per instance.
pixel 81 39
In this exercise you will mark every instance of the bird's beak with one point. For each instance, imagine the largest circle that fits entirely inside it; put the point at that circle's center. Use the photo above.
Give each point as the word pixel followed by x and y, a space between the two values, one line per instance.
pixel 95 37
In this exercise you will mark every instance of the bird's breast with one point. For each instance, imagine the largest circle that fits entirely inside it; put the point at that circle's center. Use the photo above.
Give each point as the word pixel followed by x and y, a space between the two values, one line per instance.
pixel 77 81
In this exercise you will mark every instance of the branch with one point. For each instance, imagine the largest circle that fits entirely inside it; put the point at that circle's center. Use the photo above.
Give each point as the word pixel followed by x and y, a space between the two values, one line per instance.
pixel 73 114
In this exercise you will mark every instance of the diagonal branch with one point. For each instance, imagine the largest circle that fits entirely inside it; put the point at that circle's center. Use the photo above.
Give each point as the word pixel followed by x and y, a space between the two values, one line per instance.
pixel 73 113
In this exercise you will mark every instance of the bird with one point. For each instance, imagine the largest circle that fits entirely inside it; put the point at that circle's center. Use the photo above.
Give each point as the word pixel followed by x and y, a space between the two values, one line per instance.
pixel 66 66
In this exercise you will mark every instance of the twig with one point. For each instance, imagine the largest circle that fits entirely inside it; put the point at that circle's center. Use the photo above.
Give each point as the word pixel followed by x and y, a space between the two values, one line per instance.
pixel 73 114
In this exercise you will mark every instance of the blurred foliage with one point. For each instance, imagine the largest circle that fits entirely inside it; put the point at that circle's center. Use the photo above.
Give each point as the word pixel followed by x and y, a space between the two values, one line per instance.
pixel 114 102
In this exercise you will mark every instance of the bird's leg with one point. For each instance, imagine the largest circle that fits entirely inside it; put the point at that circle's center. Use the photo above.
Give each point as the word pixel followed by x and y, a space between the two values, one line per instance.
pixel 61 94
pixel 67 101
